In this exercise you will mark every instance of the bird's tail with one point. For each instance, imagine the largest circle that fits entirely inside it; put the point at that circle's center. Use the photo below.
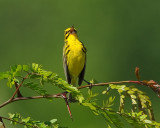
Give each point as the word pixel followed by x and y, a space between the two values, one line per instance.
pixel 73 81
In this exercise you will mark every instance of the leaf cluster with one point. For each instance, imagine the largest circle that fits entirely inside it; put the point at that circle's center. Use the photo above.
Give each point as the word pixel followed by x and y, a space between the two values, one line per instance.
pixel 28 122
pixel 140 114
pixel 35 77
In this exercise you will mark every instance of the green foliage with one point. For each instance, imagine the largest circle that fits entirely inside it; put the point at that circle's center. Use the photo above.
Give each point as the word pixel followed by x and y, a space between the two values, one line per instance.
pixel 35 72
pixel 30 123
pixel 35 77
pixel 4 75
pixel 54 79
pixel 105 110
pixel 137 117
pixel 36 88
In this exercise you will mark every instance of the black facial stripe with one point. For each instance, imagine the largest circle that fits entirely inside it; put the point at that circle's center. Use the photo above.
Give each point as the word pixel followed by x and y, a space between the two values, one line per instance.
pixel 67 32
pixel 67 35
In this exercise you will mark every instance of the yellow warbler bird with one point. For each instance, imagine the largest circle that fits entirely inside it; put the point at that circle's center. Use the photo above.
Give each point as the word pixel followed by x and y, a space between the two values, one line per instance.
pixel 74 57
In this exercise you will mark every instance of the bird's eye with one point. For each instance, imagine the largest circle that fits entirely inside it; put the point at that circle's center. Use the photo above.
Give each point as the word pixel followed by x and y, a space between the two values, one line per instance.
pixel 66 32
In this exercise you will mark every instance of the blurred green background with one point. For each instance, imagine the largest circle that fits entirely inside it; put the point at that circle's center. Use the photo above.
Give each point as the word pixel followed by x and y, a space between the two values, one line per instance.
pixel 119 35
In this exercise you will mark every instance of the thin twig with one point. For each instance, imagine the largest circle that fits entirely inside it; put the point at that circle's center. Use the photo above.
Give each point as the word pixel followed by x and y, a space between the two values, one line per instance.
pixel 18 92
pixel 119 82
pixel 18 87
pixel 151 84
pixel 2 122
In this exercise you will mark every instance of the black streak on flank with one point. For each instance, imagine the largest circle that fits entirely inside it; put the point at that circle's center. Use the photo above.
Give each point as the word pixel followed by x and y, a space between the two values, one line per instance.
pixel 84 49
pixel 66 47
pixel 67 52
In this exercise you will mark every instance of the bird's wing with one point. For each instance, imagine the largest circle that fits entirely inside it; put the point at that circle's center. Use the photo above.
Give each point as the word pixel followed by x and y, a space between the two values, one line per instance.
pixel 65 66
pixel 81 75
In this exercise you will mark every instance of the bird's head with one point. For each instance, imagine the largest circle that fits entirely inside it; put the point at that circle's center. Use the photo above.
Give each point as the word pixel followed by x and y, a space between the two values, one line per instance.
pixel 70 31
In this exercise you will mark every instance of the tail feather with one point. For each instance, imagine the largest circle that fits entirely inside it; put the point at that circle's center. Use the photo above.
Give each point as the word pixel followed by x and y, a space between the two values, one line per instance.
pixel 73 81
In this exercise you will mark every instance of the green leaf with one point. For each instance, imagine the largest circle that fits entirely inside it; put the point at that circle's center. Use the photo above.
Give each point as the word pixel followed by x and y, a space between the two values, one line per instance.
pixel 25 68
pixel 36 87
pixel 30 123
pixel 148 121
pixel 4 75
pixel 35 67
pixel 53 121
pixel 113 86
pixel 104 92
pixel 120 90
pixel 109 126
pixel 35 76
pixel 130 92
pixel 19 68
pixel 13 68
pixel 11 115
pixel 11 81
pixel 25 120
pixel 90 105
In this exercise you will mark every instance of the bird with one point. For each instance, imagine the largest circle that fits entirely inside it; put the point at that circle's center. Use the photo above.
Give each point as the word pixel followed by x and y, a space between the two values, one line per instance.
pixel 74 57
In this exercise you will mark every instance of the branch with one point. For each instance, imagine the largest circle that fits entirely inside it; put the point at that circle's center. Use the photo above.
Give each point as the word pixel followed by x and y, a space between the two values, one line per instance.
pixel 103 84
pixel 59 95
pixel 151 84
pixel 28 98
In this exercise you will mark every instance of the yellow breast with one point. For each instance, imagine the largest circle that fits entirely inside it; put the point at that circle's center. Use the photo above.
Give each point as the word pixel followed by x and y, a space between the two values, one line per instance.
pixel 75 58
